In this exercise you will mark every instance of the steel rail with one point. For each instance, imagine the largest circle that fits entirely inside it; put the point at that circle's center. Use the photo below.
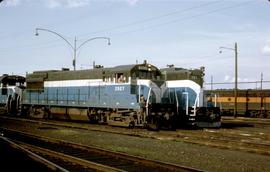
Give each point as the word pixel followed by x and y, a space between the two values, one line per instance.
pixel 34 156
pixel 214 141
pixel 68 158
pixel 130 161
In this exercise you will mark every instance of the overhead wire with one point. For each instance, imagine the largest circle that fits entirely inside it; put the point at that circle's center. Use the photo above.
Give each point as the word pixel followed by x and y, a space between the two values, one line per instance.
pixel 165 15
pixel 196 60
pixel 48 25
pixel 153 18
pixel 155 26
pixel 125 25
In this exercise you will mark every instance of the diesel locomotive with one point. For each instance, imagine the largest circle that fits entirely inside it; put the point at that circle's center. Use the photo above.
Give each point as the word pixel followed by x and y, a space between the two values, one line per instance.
pixel 184 88
pixel 126 95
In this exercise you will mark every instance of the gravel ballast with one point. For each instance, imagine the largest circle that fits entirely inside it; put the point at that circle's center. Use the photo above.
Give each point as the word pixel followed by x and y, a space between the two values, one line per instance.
pixel 197 156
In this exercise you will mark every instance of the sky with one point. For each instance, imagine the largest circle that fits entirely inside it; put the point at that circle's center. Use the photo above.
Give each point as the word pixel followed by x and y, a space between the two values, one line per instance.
pixel 186 33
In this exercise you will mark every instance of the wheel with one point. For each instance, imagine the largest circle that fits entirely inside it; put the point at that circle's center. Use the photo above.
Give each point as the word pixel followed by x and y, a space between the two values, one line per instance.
pixel 131 124
pixel 153 123
pixel 268 114
pixel 172 123
pixel 8 105
pixel 18 106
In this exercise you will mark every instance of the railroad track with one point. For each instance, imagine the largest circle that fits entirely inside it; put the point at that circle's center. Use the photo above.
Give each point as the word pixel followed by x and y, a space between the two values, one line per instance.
pixel 229 142
pixel 67 162
pixel 214 139
pixel 25 157
pixel 245 120
pixel 73 156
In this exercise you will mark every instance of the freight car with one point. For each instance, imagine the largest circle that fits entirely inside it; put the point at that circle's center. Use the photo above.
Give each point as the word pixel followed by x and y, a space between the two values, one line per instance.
pixel 126 95
pixel 250 103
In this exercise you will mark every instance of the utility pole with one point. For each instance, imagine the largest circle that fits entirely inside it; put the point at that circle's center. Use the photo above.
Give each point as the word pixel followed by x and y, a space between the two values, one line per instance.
pixel 262 108
pixel 211 83
pixel 75 54
pixel 236 81
pixel 261 81
pixel 236 76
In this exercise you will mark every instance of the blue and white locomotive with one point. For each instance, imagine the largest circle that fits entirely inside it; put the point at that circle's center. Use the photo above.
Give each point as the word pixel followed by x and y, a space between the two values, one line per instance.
pixel 126 95
pixel 183 88
pixel 117 96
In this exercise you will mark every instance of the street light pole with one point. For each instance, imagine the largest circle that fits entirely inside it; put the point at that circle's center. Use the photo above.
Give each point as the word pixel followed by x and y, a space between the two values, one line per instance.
pixel 73 47
pixel 236 76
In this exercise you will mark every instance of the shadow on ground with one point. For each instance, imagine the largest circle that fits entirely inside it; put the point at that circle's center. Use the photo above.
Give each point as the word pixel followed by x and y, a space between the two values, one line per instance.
pixel 231 125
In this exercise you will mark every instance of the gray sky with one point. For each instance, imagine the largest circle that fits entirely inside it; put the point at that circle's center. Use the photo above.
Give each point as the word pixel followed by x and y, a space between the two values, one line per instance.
pixel 186 33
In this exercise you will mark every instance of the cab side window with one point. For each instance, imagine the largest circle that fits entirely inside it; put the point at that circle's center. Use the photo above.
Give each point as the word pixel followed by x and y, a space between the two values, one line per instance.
pixel 120 78
pixel 4 91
